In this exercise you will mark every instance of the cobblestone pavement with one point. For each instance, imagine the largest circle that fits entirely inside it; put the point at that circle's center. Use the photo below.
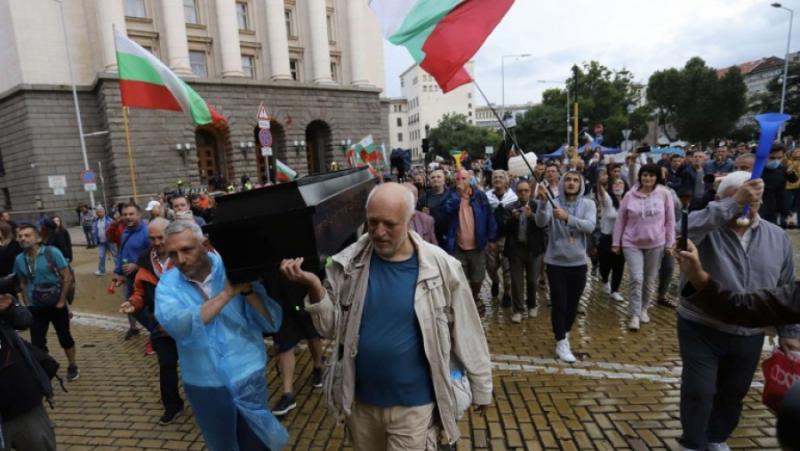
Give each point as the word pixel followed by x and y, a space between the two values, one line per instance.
pixel 622 394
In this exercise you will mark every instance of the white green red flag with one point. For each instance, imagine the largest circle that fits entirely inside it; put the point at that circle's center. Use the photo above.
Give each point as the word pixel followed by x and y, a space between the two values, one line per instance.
pixel 364 152
pixel 441 35
pixel 146 82
pixel 284 173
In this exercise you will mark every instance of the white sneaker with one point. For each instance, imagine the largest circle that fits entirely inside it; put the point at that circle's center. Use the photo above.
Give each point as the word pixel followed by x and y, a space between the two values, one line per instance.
pixel 534 312
pixel 99 273
pixel 516 318
pixel 617 297
pixel 607 287
pixel 718 447
pixel 634 323
pixel 563 352
pixel 644 317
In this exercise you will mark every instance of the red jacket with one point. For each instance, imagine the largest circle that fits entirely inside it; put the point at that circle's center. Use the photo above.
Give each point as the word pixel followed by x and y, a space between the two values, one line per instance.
pixel 114 232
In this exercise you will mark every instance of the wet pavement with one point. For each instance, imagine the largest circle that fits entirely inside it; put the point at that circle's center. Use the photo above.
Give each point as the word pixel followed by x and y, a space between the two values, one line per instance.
pixel 622 394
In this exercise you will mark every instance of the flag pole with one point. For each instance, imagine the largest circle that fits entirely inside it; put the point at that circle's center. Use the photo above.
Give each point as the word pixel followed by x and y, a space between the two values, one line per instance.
pixel 130 152
pixel 514 139
pixel 125 122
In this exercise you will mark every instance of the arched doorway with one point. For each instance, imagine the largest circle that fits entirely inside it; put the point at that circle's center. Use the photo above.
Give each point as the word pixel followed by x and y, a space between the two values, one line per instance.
pixel 278 150
pixel 214 160
pixel 319 149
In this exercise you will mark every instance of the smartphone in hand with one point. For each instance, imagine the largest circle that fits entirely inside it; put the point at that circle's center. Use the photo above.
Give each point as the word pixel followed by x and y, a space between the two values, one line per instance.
pixel 682 241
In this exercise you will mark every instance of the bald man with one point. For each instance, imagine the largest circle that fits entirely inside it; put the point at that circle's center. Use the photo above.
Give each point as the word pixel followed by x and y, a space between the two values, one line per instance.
pixel 405 320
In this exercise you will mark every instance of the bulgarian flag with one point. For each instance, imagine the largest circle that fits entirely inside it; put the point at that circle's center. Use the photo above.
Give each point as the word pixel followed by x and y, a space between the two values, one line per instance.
pixel 284 173
pixel 365 151
pixel 146 82
pixel 441 35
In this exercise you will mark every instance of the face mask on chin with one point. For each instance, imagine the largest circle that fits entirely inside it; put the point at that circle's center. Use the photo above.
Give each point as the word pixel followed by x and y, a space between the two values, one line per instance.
pixel 773 164
pixel 618 192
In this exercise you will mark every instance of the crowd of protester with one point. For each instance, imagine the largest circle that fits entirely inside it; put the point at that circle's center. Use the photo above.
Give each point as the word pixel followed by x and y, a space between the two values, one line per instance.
pixel 535 239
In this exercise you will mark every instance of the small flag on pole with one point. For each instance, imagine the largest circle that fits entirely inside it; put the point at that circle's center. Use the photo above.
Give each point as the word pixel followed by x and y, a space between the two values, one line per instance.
pixel 284 173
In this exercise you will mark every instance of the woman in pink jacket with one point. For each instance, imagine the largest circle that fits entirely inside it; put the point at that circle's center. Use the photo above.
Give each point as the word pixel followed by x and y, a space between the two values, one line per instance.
pixel 644 230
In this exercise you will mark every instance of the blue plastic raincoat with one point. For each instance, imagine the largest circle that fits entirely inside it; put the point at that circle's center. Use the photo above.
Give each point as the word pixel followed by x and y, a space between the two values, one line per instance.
pixel 226 352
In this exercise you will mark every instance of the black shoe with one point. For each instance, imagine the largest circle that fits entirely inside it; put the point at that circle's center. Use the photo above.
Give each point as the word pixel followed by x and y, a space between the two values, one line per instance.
pixel 506 301
pixel 285 404
pixel 316 378
pixel 495 289
pixel 73 373
pixel 131 333
pixel 664 302
pixel 169 416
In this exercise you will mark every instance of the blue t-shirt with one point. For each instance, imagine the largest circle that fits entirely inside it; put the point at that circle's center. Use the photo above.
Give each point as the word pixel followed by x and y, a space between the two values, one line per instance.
pixel 391 367
pixel 42 273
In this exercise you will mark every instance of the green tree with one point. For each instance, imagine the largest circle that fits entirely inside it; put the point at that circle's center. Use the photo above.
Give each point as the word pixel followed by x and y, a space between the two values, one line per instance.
pixel 604 95
pixel 696 101
pixel 770 101
pixel 454 132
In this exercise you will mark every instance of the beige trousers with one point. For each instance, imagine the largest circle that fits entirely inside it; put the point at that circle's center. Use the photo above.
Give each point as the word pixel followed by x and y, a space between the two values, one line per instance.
pixel 393 428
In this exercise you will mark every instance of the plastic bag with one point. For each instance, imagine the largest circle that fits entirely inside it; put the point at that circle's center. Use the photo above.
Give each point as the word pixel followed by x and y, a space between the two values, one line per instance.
pixel 780 372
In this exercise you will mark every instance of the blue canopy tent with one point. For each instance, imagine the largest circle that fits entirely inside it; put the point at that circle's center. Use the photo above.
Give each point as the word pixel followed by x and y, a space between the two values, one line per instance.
pixel 669 150
pixel 558 153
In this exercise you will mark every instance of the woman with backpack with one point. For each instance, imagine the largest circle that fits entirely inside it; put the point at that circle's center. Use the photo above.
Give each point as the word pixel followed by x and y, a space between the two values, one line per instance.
pixel 644 230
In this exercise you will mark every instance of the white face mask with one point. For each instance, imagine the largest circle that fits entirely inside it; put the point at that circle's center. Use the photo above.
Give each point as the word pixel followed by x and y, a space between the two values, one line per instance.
pixel 619 191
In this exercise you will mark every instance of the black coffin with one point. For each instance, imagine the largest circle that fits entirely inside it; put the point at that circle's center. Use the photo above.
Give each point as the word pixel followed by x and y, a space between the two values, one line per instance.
pixel 312 217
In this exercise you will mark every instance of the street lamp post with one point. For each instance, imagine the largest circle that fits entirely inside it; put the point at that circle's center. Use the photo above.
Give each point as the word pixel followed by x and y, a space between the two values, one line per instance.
pixel 786 58
pixel 503 76
pixel 75 96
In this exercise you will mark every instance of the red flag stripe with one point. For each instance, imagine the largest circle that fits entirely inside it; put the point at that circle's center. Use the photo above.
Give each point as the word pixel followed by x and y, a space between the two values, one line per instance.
pixel 138 94
pixel 457 37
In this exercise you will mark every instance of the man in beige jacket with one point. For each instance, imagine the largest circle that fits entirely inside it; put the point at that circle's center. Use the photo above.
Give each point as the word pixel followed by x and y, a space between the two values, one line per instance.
pixel 401 315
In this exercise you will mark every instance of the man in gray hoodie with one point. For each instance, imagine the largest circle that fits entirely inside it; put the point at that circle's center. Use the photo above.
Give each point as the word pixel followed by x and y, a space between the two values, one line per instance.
pixel 571 223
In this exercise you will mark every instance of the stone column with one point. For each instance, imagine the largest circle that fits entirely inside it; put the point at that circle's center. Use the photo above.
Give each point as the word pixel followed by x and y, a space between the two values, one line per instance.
pixel 175 36
pixel 358 57
pixel 109 13
pixel 228 28
pixel 277 40
pixel 320 49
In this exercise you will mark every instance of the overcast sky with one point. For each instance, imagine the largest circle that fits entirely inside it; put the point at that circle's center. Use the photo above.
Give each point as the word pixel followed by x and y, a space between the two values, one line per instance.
pixel 642 36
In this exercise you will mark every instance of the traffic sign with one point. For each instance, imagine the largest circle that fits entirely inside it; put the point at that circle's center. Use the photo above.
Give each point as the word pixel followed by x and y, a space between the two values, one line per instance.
pixel 262 117
pixel 266 152
pixel 58 191
pixel 88 176
pixel 265 137
pixel 90 186
pixel 57 181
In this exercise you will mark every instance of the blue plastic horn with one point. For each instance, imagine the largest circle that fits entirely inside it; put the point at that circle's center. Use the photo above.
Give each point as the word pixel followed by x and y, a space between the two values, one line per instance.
pixel 770 123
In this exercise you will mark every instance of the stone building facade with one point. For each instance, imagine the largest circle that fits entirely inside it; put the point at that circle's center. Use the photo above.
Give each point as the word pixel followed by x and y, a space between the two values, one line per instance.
pixel 317 94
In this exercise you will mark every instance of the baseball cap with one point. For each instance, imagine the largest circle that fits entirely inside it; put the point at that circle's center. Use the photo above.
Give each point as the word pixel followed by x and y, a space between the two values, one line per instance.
pixel 152 204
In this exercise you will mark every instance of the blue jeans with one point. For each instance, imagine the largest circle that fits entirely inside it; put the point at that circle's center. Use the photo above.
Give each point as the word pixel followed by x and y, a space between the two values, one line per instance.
pixel 105 248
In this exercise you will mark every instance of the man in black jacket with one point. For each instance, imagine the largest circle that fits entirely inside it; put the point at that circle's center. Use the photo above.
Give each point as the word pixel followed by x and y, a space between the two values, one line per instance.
pixel 525 246
pixel 24 423
pixel 775 177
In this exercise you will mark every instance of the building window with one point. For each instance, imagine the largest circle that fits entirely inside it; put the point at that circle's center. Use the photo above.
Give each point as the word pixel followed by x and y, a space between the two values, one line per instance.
pixel 241 16
pixel 249 66
pixel 469 96
pixel 290 29
pixel 6 199
pixel 399 121
pixel 199 63
pixel 402 83
pixel 190 11
pixel 294 68
pixel 399 137
pixel 335 71
pixel 135 8
pixel 330 21
pixel 2 165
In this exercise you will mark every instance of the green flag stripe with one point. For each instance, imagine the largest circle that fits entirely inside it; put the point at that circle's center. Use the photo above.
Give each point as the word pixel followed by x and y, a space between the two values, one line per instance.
pixel 419 24
pixel 198 107
pixel 132 67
